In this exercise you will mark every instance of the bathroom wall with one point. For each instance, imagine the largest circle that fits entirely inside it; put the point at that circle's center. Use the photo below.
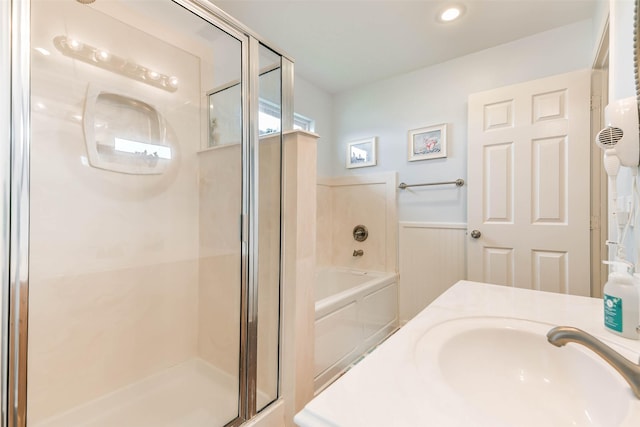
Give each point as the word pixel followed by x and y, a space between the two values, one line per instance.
pixel 622 85
pixel 432 257
pixel 316 104
pixel 343 203
pixel 438 94
pixel 390 108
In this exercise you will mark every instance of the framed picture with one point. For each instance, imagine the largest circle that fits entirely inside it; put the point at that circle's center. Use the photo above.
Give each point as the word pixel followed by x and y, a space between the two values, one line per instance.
pixel 361 153
pixel 428 143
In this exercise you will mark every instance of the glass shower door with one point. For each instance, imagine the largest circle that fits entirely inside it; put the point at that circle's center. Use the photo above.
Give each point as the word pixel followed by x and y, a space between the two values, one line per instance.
pixel 136 260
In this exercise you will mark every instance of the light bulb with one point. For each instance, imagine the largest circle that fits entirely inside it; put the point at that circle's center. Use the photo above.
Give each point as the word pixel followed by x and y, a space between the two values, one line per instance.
pixel 450 14
pixel 153 75
pixel 173 82
pixel 74 44
pixel 42 51
pixel 102 55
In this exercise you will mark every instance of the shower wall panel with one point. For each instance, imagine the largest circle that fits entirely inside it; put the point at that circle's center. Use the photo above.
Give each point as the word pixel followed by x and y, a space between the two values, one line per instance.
pixel 219 263
pixel 219 294
pixel 269 269
pixel 114 257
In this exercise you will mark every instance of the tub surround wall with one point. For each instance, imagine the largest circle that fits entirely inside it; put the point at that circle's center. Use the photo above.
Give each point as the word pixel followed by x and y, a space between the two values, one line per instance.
pixel 324 241
pixel 343 203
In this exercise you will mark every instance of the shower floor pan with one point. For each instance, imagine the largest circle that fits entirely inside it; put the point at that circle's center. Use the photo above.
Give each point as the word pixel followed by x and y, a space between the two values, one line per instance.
pixel 191 394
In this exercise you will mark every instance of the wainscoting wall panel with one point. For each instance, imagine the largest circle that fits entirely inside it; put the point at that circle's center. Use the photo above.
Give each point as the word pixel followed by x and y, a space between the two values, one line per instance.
pixel 432 258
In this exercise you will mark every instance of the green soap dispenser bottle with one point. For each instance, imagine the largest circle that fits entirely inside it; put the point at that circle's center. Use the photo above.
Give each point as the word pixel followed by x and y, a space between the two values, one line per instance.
pixel 622 302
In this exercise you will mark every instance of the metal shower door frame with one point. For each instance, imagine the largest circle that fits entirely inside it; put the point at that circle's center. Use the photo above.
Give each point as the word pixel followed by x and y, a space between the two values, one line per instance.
pixel 15 142
pixel 5 169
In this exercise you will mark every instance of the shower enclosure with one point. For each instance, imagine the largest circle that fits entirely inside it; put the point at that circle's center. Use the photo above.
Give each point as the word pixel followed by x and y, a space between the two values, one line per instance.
pixel 140 182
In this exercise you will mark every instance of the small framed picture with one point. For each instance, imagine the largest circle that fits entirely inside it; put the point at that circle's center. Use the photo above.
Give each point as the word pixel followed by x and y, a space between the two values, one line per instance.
pixel 428 143
pixel 361 153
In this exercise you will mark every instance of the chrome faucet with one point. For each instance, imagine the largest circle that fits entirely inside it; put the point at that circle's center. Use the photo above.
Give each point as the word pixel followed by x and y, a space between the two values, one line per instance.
pixel 562 335
pixel 358 252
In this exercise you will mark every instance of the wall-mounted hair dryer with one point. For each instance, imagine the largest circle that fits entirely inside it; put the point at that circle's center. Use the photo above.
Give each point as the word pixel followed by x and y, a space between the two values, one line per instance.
pixel 621 136
pixel 620 141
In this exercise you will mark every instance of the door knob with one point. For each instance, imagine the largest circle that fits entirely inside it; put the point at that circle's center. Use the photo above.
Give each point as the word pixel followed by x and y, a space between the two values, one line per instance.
pixel 476 234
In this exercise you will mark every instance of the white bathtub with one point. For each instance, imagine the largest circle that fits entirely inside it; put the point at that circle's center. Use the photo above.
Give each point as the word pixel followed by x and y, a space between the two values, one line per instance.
pixel 354 311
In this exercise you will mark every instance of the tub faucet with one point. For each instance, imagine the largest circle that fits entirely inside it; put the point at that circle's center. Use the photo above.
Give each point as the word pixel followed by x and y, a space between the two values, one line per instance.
pixel 562 335
pixel 358 252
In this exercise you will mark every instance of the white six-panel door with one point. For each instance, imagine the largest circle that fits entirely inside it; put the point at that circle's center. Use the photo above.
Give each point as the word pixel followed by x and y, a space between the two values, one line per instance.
pixel 528 185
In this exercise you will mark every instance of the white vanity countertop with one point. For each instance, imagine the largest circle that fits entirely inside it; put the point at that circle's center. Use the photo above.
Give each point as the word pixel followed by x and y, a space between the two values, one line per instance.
pixel 386 389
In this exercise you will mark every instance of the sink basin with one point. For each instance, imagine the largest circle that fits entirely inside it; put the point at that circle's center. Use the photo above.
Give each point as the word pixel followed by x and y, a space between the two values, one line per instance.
pixel 504 369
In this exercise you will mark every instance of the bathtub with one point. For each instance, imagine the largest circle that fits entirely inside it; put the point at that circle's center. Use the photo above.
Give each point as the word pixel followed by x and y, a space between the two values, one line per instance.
pixel 354 311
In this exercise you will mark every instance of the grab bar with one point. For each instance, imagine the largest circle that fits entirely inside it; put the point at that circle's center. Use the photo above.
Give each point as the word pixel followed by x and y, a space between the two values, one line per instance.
pixel 458 182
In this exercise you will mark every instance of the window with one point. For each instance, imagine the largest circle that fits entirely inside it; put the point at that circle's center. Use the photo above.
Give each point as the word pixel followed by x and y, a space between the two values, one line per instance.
pixel 269 119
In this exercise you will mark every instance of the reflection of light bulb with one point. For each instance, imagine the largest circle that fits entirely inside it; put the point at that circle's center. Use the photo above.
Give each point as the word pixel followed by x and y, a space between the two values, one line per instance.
pixel 40 106
pixel 74 44
pixel 102 55
pixel 173 82
pixel 42 51
pixel 153 75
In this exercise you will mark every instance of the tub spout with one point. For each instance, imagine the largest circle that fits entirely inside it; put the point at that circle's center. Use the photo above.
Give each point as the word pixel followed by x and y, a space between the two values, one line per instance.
pixel 358 252
pixel 562 335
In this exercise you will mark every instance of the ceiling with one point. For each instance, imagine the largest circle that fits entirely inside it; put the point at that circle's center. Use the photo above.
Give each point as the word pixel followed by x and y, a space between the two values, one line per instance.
pixel 338 45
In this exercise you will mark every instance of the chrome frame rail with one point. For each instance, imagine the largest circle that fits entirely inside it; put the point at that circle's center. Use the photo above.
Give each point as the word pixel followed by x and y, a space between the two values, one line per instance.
pixel 286 111
pixel 253 175
pixel 19 212
pixel 5 183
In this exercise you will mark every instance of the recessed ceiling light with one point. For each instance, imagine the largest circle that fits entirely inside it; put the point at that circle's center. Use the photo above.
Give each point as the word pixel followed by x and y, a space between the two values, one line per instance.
pixel 450 13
